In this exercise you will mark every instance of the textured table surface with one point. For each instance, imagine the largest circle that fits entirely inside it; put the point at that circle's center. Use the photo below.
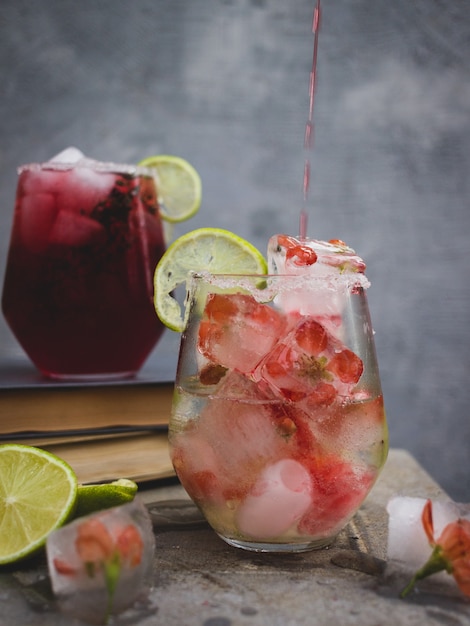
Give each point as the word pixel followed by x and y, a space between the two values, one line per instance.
pixel 224 84
pixel 201 581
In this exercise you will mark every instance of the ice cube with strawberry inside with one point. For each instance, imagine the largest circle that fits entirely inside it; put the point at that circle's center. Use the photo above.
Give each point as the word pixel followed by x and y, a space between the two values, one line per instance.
pixel 236 331
pixel 312 495
pixel 289 255
pixel 338 489
pixel 328 272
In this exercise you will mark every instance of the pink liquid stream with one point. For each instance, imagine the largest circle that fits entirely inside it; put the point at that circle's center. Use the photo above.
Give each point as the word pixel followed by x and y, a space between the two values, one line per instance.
pixel 309 127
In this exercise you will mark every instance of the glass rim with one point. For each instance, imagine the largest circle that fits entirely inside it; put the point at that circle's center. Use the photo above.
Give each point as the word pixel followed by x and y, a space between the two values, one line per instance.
pixel 104 167
pixel 352 280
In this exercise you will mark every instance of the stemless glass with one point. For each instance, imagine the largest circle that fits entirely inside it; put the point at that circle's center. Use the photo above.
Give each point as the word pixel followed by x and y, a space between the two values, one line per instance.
pixel 278 429
pixel 78 291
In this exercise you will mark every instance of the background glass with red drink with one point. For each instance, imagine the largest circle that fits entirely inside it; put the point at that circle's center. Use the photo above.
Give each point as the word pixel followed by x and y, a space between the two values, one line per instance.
pixel 78 290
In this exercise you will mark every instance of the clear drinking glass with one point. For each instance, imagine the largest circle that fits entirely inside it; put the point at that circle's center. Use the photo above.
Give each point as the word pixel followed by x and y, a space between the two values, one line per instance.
pixel 78 292
pixel 278 430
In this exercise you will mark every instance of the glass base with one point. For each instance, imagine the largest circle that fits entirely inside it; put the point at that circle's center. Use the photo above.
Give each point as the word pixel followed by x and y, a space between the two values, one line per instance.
pixel 92 378
pixel 279 548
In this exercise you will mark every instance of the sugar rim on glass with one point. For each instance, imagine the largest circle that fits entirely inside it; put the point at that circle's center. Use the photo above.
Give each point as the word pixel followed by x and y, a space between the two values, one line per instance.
pixel 107 167
pixel 265 287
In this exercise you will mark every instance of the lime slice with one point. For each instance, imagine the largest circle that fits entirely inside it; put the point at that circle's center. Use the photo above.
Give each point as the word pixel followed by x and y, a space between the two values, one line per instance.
pixel 178 186
pixel 205 249
pixel 91 498
pixel 37 495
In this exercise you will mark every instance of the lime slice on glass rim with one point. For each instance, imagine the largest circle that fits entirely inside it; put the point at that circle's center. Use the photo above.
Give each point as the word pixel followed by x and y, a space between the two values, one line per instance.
pixel 179 186
pixel 38 492
pixel 205 249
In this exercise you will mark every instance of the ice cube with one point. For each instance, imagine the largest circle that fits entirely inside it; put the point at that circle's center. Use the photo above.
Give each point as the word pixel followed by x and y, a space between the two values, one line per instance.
pixel 34 180
pixel 83 188
pixel 338 490
pixel 288 255
pixel 237 331
pixel 331 271
pixel 277 501
pixel 407 540
pixel 34 219
pixel 85 556
pixel 197 466
pixel 239 431
pixel 356 427
pixel 73 230
pixel 310 363
pixel 69 155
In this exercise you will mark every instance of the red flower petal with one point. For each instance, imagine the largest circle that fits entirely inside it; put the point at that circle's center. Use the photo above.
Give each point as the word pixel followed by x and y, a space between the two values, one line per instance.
pixel 428 526
pixel 130 545
pixel 93 543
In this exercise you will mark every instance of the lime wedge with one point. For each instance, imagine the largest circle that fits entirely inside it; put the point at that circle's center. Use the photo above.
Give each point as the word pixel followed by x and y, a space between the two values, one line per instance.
pixel 37 495
pixel 206 249
pixel 178 186
pixel 91 498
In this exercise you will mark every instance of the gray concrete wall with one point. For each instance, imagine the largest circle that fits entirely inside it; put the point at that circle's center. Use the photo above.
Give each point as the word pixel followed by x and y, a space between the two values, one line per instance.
pixel 224 83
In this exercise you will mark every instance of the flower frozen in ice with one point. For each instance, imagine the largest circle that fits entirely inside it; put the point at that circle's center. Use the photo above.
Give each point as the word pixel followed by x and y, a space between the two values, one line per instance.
pixel 103 553
pixel 99 564
pixel 450 551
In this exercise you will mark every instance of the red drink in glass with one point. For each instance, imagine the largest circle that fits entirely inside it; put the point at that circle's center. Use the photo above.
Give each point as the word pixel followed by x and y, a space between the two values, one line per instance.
pixel 78 291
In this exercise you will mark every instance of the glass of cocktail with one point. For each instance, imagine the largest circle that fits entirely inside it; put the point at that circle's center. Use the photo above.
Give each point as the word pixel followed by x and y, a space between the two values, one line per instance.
pixel 78 292
pixel 278 430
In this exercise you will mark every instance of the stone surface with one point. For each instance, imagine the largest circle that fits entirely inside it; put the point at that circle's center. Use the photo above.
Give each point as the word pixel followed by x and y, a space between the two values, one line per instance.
pixel 224 83
pixel 201 581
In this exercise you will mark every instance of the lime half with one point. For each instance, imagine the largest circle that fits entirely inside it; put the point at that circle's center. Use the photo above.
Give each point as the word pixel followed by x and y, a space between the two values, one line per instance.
pixel 206 249
pixel 179 186
pixel 91 498
pixel 37 495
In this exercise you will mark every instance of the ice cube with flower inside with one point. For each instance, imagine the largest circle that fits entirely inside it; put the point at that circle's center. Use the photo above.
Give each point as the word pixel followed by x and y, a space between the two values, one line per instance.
pixel 100 564
pixel 430 537
pixel 310 363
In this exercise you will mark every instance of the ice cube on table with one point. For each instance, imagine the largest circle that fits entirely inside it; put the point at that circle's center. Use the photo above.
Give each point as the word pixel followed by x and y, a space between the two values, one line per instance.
pixel 407 540
pixel 83 556
pixel 277 501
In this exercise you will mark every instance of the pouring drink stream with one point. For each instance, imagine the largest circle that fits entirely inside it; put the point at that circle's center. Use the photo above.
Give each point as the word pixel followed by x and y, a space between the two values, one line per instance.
pixel 309 127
